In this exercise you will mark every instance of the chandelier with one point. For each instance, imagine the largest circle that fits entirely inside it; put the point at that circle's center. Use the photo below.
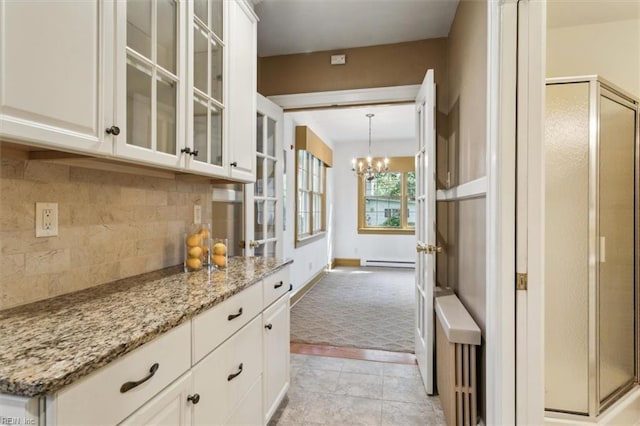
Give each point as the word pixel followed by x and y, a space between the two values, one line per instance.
pixel 371 166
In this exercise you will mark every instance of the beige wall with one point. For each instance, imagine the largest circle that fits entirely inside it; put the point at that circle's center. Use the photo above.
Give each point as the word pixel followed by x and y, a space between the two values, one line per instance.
pixel 610 49
pixel 462 224
pixel 112 226
pixel 375 66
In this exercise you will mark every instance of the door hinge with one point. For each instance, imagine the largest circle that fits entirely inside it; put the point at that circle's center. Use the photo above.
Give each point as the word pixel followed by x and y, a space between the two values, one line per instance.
pixel 522 281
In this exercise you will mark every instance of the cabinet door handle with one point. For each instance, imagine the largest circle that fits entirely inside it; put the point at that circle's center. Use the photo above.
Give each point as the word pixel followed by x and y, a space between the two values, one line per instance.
pixel 113 130
pixel 280 284
pixel 234 164
pixel 290 287
pixel 234 375
pixel 130 385
pixel 268 326
pixel 194 153
pixel 194 399
pixel 234 316
pixel 186 150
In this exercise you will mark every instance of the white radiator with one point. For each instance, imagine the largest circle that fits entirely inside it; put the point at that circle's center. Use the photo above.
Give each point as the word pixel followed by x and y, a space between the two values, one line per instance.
pixel 391 263
pixel 457 336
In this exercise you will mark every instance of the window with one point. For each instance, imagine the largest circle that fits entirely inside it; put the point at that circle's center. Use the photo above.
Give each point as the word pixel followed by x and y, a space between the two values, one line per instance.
pixel 313 157
pixel 387 204
pixel 311 182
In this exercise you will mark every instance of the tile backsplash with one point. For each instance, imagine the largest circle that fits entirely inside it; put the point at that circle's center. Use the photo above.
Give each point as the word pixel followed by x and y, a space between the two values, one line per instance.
pixel 111 225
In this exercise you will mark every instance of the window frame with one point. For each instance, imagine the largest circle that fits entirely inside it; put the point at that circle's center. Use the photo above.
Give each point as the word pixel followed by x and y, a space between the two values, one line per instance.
pixel 403 165
pixel 302 238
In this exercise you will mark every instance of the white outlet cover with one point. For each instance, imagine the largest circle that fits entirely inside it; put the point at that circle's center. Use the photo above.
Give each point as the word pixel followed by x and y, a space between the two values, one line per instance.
pixel 197 214
pixel 338 59
pixel 40 229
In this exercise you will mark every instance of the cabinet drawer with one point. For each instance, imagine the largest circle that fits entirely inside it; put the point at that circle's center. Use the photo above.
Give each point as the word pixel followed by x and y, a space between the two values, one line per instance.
pixel 275 286
pixel 215 325
pixel 97 399
pixel 219 379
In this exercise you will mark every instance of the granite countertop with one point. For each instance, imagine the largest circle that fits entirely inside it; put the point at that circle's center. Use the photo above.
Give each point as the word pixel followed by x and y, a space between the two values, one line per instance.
pixel 47 345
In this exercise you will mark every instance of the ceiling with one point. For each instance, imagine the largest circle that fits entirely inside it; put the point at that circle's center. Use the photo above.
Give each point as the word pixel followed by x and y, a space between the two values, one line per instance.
pixel 302 26
pixel 391 123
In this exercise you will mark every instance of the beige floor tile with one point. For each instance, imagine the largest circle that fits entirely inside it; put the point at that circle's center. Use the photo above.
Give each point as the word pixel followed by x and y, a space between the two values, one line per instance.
pixel 362 385
pixel 407 414
pixel 314 380
pixel 362 367
pixel 403 389
pixel 401 370
pixel 324 363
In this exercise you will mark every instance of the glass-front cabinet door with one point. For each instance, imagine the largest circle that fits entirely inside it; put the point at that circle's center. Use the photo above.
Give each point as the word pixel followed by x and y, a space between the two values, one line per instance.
pixel 264 198
pixel 206 96
pixel 150 81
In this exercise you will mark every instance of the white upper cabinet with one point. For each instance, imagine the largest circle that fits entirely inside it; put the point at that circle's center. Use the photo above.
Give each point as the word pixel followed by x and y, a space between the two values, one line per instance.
pixel 150 76
pixel 207 94
pixel 53 62
pixel 166 83
pixel 242 91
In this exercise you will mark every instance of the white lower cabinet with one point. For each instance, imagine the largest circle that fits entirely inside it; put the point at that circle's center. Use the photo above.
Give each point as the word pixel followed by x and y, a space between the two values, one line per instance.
pixel 276 355
pixel 241 380
pixel 249 411
pixel 223 378
pixel 171 407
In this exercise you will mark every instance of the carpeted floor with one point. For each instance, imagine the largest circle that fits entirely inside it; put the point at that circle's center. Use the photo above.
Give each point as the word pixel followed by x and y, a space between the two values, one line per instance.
pixel 369 308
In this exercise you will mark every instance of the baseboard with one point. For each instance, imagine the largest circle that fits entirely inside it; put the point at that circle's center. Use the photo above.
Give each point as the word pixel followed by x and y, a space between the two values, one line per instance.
pixel 331 264
pixel 308 286
pixel 346 262
pixel 626 411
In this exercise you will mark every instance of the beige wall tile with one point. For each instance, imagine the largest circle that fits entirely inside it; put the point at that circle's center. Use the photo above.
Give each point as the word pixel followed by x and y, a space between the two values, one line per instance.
pixel 111 226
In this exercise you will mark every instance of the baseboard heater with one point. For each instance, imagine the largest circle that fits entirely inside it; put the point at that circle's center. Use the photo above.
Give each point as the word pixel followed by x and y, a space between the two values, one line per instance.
pixel 457 337
pixel 391 263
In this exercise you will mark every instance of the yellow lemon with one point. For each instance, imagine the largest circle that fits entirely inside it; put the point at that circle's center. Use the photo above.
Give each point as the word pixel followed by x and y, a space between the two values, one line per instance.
pixel 219 248
pixel 193 240
pixel 205 233
pixel 205 250
pixel 194 263
pixel 195 251
pixel 219 260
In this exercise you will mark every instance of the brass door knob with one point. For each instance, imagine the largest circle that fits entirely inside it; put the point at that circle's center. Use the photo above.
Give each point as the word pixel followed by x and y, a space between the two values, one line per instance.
pixel 422 248
pixel 254 244
pixel 434 249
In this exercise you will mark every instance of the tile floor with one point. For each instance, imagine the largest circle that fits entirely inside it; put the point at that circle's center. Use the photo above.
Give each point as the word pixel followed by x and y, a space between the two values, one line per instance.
pixel 346 392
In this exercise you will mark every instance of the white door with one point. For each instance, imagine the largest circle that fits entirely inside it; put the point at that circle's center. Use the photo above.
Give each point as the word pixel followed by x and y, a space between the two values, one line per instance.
pixel 264 199
pixel 425 229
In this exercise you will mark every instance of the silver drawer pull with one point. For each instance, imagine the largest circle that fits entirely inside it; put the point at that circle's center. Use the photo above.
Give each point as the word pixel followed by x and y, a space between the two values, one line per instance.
pixel 130 385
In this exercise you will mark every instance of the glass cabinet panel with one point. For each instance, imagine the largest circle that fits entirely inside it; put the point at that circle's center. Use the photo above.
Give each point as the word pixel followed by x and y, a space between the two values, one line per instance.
pixel 208 51
pixel 152 76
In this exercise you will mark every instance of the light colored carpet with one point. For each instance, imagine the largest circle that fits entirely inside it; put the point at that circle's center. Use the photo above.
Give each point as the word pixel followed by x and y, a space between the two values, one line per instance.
pixel 369 308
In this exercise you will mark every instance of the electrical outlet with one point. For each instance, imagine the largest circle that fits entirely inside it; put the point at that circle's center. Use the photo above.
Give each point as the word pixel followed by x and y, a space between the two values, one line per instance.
pixel 338 59
pixel 197 214
pixel 46 219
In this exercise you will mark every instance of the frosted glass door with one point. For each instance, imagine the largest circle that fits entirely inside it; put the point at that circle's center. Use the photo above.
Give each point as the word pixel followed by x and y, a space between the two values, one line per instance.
pixel 616 287
pixel 566 248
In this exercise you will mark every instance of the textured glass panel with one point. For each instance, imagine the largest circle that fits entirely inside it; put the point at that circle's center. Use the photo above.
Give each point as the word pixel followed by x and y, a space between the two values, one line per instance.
pixel 258 224
pixel 167 34
pixel 411 199
pixel 216 71
pixel 271 178
pixel 200 9
pixel 270 249
pixel 200 60
pixel 616 224
pixel 259 251
pixel 139 15
pixel 566 247
pixel 271 137
pixel 271 219
pixel 138 105
pixel 260 133
pixel 216 136
pixel 216 17
pixel 259 186
pixel 200 113
pixel 166 116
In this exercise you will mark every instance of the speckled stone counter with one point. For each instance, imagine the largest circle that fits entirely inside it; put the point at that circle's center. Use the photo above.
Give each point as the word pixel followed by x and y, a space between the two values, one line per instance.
pixel 47 345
